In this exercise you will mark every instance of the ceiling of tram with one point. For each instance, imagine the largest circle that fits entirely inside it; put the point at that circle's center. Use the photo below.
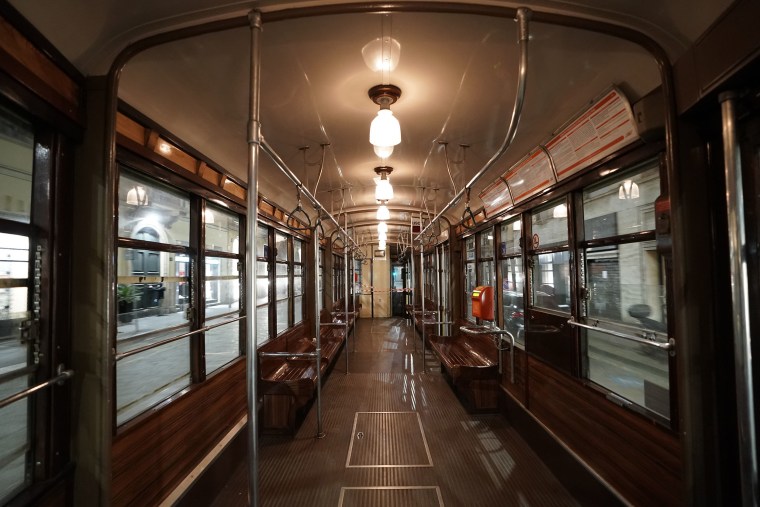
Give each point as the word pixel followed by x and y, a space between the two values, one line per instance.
pixel 457 74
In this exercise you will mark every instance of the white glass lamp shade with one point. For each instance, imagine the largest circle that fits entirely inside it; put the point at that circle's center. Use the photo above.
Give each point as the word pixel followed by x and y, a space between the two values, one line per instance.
pixel 381 245
pixel 383 190
pixel 382 227
pixel 382 236
pixel 628 190
pixel 383 213
pixel 383 151
pixel 208 217
pixel 385 129
pixel 560 211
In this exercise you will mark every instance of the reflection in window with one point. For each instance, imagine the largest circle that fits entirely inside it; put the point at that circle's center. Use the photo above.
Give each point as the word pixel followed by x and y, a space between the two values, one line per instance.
pixel 282 283
pixel 298 282
pixel 512 281
pixel 551 281
pixel 162 210
pixel 549 225
pixel 625 286
pixel 222 230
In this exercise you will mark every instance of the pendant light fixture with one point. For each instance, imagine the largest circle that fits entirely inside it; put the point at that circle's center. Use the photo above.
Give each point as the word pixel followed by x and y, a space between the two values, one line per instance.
pixel 137 196
pixel 382 212
pixel 628 190
pixel 385 131
pixel 382 228
pixel 383 188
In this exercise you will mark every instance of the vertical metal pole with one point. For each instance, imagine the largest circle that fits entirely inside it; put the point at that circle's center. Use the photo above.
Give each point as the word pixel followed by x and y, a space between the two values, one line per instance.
pixel 422 303
pixel 254 140
pixel 740 298
pixel 315 237
pixel 439 306
pixel 413 283
pixel 345 288
pixel 353 292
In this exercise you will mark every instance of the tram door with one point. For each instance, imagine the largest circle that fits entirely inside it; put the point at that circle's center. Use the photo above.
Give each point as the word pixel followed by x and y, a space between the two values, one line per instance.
pixel 744 112
pixel 33 323
pixel 398 283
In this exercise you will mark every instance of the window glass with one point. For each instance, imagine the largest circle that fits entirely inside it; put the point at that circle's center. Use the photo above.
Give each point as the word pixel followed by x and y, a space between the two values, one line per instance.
pixel 281 247
pixel 485 240
pixel 146 304
pixel 151 211
pixel 486 273
pixel 16 166
pixel 262 241
pixel 262 323
pixel 169 374
pixel 509 233
pixel 222 286
pixel 222 230
pixel 551 281
pixel 469 244
pixel 282 315
pixel 513 304
pixel 297 249
pixel 549 225
pixel 469 285
pixel 222 345
pixel 624 205
pixel 625 284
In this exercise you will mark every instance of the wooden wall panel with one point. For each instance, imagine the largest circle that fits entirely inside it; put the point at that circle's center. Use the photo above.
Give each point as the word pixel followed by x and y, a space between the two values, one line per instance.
pixel 637 458
pixel 153 456
pixel 518 390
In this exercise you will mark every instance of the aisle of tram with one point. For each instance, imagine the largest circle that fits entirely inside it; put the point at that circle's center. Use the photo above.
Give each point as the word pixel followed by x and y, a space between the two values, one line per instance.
pixel 397 436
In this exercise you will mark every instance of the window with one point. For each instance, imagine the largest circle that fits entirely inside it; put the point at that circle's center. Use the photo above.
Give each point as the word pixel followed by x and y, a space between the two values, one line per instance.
pixel 153 293
pixel 512 280
pixel 339 277
pixel 159 262
pixel 281 282
pixel 17 434
pixel 469 276
pixel 321 288
pixel 222 286
pixel 550 270
pixel 486 273
pixel 298 281
pixel 263 295
pixel 625 287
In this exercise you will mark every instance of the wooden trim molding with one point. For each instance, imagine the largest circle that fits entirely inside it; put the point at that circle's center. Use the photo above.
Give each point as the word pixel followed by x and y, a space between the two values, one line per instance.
pixel 31 67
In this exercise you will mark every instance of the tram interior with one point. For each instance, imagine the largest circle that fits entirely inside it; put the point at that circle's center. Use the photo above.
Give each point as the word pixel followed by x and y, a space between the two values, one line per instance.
pixel 204 256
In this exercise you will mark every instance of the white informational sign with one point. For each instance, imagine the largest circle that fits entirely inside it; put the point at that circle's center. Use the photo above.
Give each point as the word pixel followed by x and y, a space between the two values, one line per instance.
pixel 530 175
pixel 602 130
pixel 495 197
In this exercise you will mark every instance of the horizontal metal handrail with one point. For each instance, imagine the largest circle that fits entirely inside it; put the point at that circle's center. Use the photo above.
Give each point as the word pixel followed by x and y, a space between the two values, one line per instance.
pixel 119 357
pixel 668 345
pixel 289 354
pixel 14 374
pixel 62 376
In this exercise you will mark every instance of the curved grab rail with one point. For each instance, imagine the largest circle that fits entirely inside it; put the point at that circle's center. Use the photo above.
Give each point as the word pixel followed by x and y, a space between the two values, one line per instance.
pixel 668 345
pixel 479 330
pixel 59 379
pixel 523 17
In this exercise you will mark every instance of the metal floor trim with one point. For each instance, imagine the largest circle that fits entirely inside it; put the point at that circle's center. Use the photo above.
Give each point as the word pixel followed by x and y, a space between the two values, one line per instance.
pixel 389 488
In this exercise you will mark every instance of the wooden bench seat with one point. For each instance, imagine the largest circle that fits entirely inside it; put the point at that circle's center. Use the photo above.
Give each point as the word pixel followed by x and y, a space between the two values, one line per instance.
pixel 470 362
pixel 288 384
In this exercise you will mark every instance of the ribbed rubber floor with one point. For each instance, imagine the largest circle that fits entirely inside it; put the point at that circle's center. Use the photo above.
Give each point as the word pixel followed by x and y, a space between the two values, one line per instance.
pixel 388 439
pixel 477 459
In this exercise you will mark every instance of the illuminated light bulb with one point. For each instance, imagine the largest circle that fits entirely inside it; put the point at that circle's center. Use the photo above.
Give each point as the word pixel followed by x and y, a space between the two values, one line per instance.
pixel 385 129
pixel 383 151
pixel 382 227
pixel 560 211
pixel 383 213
